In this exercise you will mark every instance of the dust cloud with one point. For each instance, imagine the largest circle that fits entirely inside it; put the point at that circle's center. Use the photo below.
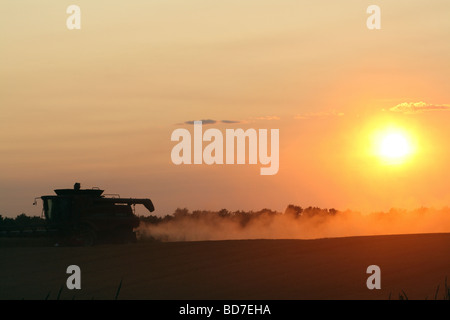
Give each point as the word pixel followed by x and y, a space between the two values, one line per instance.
pixel 294 223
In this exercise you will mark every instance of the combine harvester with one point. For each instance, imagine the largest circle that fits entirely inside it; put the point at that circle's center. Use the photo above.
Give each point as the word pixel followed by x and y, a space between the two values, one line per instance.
pixel 86 217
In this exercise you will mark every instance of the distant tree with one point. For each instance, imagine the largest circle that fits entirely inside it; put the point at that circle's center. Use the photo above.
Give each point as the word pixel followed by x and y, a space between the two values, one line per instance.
pixel 224 213
pixel 265 211
pixel 296 211
pixel 150 219
pixel 22 220
pixel 243 217
pixel 180 213
pixel 332 211
pixel 7 222
pixel 167 217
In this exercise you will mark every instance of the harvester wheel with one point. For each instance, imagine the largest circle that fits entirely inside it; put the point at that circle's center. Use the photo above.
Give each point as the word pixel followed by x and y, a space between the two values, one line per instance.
pixel 125 235
pixel 87 237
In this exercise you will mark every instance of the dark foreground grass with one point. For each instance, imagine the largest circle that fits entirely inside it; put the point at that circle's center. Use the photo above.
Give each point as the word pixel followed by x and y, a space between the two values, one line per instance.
pixel 445 295
pixel 58 296
pixel 437 296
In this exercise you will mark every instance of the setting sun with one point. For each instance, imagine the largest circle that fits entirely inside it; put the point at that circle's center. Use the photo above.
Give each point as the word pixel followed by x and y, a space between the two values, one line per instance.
pixel 394 147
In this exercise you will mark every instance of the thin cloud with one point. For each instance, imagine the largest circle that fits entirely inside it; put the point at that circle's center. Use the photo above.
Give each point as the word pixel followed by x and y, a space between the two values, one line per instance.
pixel 310 115
pixel 211 121
pixel 268 118
pixel 418 107
pixel 207 121
pixel 230 121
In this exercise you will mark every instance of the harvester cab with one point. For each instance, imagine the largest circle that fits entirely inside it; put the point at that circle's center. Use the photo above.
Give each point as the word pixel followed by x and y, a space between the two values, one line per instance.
pixel 86 216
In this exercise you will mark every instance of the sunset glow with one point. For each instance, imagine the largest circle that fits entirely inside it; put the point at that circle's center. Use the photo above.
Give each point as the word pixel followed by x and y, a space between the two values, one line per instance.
pixel 357 119
pixel 394 147
pixel 223 151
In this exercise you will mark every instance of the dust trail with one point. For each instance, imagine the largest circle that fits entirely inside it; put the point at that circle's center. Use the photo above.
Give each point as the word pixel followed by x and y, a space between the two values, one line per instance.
pixel 294 223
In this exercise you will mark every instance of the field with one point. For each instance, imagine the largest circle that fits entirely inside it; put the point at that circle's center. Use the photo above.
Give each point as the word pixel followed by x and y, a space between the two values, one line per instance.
pixel 334 268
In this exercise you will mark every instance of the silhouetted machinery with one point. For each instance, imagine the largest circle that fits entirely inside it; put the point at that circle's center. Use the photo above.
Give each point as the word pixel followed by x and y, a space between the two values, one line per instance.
pixel 85 216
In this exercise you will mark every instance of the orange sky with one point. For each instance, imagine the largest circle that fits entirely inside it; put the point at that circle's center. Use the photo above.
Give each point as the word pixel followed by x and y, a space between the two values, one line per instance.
pixel 98 105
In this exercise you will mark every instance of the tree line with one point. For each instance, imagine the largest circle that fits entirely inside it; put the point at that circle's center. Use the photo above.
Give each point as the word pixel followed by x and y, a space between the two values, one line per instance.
pixel 21 221
pixel 243 217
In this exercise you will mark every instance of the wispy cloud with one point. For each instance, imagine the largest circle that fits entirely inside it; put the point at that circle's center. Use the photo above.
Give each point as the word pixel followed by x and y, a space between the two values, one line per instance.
pixel 211 121
pixel 418 107
pixel 204 121
pixel 268 118
pixel 310 115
